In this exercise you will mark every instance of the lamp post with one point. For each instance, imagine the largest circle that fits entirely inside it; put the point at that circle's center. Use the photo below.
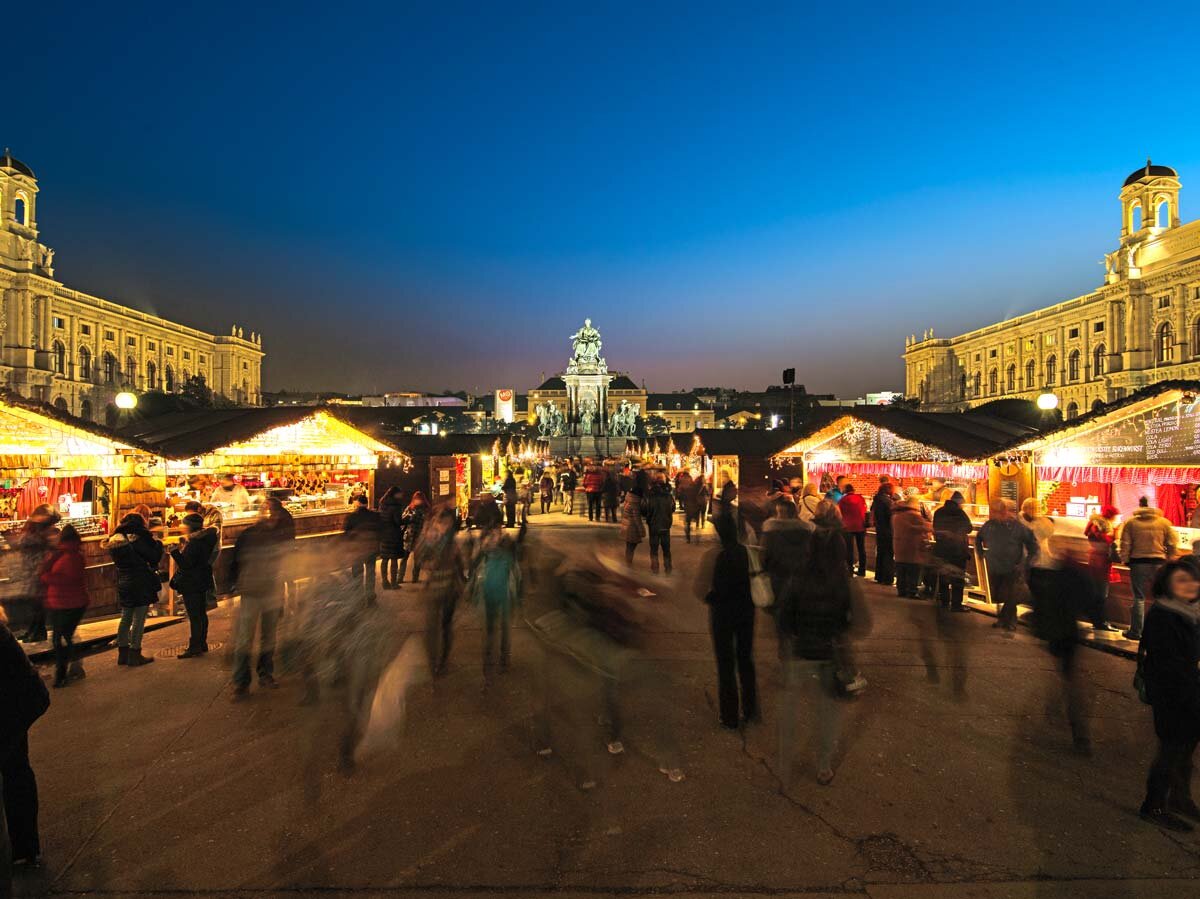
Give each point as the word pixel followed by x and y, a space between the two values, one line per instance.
pixel 125 402
pixel 1047 402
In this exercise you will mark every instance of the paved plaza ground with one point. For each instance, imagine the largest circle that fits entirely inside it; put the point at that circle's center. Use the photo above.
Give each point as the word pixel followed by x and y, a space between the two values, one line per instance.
pixel 955 780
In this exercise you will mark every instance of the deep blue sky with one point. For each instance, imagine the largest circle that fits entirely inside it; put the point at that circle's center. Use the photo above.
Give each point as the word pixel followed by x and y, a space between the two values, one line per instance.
pixel 427 196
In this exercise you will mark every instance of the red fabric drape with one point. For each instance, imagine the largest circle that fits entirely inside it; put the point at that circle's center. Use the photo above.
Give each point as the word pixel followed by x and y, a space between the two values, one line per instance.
pixel 1102 474
pixel 964 472
pixel 31 496
pixel 1168 499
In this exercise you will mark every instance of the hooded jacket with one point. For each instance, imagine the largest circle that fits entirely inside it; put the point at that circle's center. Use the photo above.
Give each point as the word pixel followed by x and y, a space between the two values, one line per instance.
pixel 1148 535
pixel 951 527
pixel 882 508
pixel 64 577
pixel 135 554
pixel 193 563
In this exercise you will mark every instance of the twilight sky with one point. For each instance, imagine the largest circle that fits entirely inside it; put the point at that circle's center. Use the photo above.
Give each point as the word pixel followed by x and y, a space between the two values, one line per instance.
pixel 434 195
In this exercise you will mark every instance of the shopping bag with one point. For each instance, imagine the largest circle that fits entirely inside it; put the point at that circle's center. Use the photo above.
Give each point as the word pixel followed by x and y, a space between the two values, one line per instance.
pixel 761 592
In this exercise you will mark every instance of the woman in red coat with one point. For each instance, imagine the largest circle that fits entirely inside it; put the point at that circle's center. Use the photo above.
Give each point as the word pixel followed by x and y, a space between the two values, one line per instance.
pixel 64 578
pixel 854 519
pixel 1101 532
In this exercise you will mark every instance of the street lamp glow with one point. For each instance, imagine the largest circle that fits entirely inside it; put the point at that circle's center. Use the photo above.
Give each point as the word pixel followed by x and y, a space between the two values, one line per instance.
pixel 126 400
pixel 1047 401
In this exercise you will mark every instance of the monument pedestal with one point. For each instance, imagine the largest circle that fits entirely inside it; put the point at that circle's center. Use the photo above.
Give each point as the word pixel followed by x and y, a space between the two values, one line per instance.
pixel 599 447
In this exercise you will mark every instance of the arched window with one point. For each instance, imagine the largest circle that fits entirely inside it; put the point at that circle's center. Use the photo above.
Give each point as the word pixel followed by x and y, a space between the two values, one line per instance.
pixel 1164 345
pixel 151 376
pixel 61 404
pixel 110 369
pixel 1099 361
pixel 1030 375
pixel 1196 337
pixel 85 410
pixel 1072 410
pixel 1051 371
pixel 130 371
pixel 1135 217
pixel 60 358
pixel 978 383
pixel 169 379
pixel 85 364
pixel 962 384
pixel 20 210
pixel 993 382
pixel 187 376
pixel 1010 379
pixel 1097 404
pixel 1073 366
pixel 1162 212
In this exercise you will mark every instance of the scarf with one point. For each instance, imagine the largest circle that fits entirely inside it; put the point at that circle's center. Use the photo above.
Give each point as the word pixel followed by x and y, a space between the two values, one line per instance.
pixel 1189 611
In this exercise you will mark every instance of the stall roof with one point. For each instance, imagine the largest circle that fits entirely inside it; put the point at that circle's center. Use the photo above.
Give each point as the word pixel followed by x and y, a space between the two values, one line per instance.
pixel 32 410
pixel 183 435
pixel 419 445
pixel 758 444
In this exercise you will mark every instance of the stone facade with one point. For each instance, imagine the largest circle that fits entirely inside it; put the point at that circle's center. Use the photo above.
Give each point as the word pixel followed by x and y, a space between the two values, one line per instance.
pixel 76 351
pixel 1141 326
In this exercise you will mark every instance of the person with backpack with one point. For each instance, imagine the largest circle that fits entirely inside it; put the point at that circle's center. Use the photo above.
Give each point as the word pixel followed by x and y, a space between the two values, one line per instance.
pixel 23 700
pixel 64 578
pixel 135 554
pixel 193 579
pixel 1167 664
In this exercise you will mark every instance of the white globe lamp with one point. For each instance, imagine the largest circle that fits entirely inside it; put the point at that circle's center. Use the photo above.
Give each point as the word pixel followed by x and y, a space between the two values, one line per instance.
pixel 1047 401
pixel 126 400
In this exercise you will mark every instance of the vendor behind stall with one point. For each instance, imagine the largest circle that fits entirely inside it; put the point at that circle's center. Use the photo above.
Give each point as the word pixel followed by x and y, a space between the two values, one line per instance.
pixel 231 493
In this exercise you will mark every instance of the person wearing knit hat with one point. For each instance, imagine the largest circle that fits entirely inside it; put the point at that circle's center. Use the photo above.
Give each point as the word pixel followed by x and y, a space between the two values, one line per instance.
pixel 194 579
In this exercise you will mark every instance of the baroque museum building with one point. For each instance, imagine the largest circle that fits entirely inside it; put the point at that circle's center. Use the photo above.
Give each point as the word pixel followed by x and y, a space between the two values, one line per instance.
pixel 77 351
pixel 1142 325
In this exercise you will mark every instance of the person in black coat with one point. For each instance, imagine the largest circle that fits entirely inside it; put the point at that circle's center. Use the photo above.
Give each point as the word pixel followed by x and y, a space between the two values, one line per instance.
pixel 193 579
pixel 510 501
pixel 1167 658
pixel 724 582
pixel 364 528
pixel 23 699
pixel 257 570
pixel 391 538
pixel 659 511
pixel 881 512
pixel 135 553
pixel 951 528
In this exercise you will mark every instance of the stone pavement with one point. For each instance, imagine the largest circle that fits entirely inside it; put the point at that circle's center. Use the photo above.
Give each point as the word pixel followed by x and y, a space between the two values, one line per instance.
pixel 955 777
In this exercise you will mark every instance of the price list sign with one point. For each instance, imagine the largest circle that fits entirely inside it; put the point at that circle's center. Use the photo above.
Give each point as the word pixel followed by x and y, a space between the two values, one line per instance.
pixel 1173 436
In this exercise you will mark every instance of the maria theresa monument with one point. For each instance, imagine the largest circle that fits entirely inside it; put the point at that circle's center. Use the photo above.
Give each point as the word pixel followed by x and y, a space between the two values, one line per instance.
pixel 588 416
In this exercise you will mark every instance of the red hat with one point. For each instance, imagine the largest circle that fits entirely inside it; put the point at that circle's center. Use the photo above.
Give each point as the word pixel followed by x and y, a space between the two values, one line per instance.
pixel 1110 511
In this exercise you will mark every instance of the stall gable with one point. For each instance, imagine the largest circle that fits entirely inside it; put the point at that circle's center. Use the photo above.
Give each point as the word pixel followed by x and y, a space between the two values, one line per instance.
pixel 861 441
pixel 315 436
pixel 37 444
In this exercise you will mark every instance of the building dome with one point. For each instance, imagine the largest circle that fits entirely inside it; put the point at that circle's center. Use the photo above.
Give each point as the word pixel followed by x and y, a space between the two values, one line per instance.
pixel 7 161
pixel 1149 170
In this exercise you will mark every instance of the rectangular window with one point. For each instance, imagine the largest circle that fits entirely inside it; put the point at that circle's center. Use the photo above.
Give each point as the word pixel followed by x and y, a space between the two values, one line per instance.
pixel 978 356
pixel 991 354
pixel 1196 293
pixel 109 335
pixel 1164 302
pixel 202 359
pixel 85 330
pixel 1073 333
pixel 1029 344
pixel 1049 340
pixel 245 366
pixel 151 345
pixel 58 323
pixel 170 351
pixel 187 354
pixel 130 341
pixel 1098 327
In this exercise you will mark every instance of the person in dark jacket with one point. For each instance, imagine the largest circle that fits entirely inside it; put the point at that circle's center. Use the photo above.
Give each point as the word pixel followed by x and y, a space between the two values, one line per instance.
pixel 32 541
pixel 510 501
pixel 546 491
pixel 193 579
pixel 364 528
pixel 64 577
pixel 723 581
pixel 1065 594
pixel 881 512
pixel 257 570
pixel 568 480
pixel 951 528
pixel 724 501
pixel 440 555
pixel 659 511
pixel 135 554
pixel 23 699
pixel 1007 546
pixel 414 523
pixel 391 538
pixel 1167 658
pixel 610 495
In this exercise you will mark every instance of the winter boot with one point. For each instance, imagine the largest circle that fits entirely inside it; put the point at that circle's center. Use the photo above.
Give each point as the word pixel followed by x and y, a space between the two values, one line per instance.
pixel 136 658
pixel 122 655
pixel 76 672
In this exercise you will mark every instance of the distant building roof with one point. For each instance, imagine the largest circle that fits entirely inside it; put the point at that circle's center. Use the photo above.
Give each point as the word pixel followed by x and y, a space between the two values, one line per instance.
pixel 623 382
pixel 555 383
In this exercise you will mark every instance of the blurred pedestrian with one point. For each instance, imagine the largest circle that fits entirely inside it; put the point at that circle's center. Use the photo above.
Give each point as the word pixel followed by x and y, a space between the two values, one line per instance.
pixel 881 514
pixel 510 500
pixel 725 499
pixel 694 503
pixel 1167 660
pixel 495 588
pixel 439 555
pixel 1101 533
pixel 64 577
pixel 854 523
pixel 193 579
pixel 659 511
pixel 610 496
pixel 413 520
pixel 364 527
pixel 257 570
pixel 593 489
pixel 23 699
pixel 723 582
pixel 391 538
pixel 568 480
pixel 951 529
pixel 135 554
pixel 633 528
pixel 912 536
pixel 1006 545
pixel 546 491
pixel 1064 592
pixel 1147 541
pixel 32 542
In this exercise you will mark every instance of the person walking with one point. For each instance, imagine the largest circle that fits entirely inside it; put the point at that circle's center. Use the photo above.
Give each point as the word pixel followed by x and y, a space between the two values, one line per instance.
pixel 912 534
pixel 593 487
pixel 1065 593
pixel 812 613
pixel 1147 541
pixel 659 511
pixel 546 491
pixel 193 579
pixel 1006 544
pixel 610 495
pixel 1101 534
pixel 364 528
pixel 65 583
pixel 854 523
pixel 568 480
pixel 881 513
pixel 725 499
pixel 694 499
pixel 1167 660
pixel 495 588
pixel 724 584
pixel 633 529
pixel 391 538
pixel 23 699
pixel 413 520
pixel 135 554
pixel 951 529
pixel 257 570
pixel 438 554
pixel 510 500
pixel 32 543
